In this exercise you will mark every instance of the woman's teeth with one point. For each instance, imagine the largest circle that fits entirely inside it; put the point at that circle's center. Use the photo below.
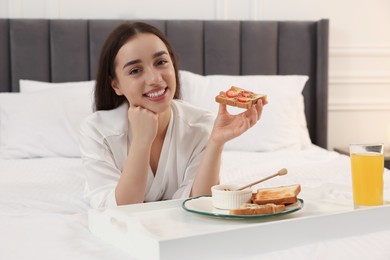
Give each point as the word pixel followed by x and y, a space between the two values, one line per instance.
pixel 155 94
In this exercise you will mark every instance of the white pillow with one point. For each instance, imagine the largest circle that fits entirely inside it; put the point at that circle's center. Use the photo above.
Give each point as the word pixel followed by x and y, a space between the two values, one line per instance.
pixel 43 123
pixel 283 122
pixel 27 86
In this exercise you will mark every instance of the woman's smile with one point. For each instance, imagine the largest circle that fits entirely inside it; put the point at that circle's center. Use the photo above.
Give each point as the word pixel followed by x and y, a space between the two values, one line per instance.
pixel 156 94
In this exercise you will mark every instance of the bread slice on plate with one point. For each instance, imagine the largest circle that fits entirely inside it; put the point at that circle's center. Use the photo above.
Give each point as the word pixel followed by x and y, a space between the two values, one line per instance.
pixel 239 97
pixel 279 195
pixel 255 209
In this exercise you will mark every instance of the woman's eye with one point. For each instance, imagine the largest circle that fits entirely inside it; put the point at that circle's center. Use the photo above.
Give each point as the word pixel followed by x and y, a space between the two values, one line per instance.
pixel 134 71
pixel 162 62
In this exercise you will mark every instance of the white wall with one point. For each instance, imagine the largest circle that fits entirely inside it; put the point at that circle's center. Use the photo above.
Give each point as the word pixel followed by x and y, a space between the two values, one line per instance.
pixel 359 64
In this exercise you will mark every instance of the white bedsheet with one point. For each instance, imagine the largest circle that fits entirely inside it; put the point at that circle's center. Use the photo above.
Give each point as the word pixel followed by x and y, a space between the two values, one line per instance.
pixel 49 185
pixel 43 214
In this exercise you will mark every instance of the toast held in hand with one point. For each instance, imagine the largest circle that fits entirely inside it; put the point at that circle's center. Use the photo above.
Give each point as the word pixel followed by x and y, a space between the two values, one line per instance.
pixel 239 97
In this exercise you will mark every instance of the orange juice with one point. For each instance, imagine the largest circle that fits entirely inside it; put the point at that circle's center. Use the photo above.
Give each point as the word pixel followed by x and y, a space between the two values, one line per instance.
pixel 367 178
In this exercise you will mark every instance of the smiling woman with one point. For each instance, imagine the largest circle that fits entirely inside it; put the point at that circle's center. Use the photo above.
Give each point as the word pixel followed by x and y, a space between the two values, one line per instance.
pixel 143 143
pixel 145 74
pixel 116 43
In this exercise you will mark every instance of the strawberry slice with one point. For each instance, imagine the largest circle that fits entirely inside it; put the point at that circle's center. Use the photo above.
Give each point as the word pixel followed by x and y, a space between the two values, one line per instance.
pixel 246 93
pixel 231 93
pixel 243 99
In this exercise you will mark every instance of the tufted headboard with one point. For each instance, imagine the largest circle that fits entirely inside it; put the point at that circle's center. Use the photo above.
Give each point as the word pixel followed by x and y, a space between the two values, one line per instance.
pixel 68 50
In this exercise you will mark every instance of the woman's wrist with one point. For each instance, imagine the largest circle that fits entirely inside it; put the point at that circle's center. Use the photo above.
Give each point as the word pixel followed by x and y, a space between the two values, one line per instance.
pixel 140 146
pixel 215 146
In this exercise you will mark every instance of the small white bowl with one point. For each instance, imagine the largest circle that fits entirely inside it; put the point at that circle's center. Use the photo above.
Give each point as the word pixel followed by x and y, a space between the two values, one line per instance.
pixel 225 196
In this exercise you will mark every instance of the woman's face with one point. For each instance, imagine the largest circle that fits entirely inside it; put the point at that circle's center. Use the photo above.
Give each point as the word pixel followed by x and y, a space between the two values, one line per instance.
pixel 144 73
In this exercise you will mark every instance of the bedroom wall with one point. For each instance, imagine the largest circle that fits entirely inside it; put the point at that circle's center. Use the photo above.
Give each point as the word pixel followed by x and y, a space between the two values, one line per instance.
pixel 359 64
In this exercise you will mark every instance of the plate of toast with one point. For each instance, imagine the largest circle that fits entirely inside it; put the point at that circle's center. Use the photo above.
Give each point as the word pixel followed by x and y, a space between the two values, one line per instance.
pixel 265 202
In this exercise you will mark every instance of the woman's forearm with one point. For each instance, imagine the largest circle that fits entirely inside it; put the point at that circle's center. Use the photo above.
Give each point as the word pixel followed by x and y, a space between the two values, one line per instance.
pixel 132 183
pixel 208 172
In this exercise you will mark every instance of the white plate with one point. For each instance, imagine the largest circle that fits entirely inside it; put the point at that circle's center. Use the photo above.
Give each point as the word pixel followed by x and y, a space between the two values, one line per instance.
pixel 203 205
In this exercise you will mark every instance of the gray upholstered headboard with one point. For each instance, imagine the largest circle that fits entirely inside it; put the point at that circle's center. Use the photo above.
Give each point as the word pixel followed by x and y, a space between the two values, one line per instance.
pixel 68 50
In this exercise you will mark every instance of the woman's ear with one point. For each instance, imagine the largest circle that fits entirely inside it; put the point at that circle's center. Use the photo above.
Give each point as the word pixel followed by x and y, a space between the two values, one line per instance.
pixel 115 86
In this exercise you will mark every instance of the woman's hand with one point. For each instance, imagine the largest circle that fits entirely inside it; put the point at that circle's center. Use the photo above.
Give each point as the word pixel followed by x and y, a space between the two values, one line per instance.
pixel 144 124
pixel 228 126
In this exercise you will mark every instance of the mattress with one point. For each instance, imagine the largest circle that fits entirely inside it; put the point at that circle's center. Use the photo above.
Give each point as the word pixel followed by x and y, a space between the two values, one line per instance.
pixel 43 214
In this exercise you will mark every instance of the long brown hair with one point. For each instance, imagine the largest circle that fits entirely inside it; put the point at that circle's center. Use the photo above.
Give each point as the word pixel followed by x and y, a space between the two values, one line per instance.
pixel 105 96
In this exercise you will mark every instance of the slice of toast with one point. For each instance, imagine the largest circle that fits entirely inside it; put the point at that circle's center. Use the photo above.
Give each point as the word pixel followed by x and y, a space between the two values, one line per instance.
pixel 255 209
pixel 278 195
pixel 239 97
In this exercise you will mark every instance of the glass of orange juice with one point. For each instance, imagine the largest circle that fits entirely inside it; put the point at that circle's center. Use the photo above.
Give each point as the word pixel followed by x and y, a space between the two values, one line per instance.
pixel 367 165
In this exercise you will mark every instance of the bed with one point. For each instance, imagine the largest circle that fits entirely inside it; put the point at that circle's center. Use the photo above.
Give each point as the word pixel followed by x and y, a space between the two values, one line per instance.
pixel 47 75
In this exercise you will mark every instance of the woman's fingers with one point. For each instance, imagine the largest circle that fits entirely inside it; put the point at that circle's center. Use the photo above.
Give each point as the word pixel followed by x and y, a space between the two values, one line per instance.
pixel 244 124
pixel 252 114
pixel 222 109
pixel 259 108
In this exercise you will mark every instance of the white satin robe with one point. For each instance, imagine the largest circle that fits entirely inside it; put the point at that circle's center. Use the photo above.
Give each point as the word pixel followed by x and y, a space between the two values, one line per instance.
pixel 105 140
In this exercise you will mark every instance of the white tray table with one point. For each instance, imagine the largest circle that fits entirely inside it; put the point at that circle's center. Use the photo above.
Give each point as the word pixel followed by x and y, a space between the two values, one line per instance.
pixel 164 230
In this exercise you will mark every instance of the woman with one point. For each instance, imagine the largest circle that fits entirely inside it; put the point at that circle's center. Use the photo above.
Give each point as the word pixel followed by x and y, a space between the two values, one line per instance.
pixel 143 143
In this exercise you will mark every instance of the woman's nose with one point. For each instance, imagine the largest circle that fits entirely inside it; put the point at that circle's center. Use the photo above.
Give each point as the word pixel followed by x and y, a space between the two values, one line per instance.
pixel 153 76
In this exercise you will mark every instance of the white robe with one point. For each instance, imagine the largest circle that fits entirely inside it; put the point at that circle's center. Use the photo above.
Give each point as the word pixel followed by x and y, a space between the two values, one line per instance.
pixel 105 140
